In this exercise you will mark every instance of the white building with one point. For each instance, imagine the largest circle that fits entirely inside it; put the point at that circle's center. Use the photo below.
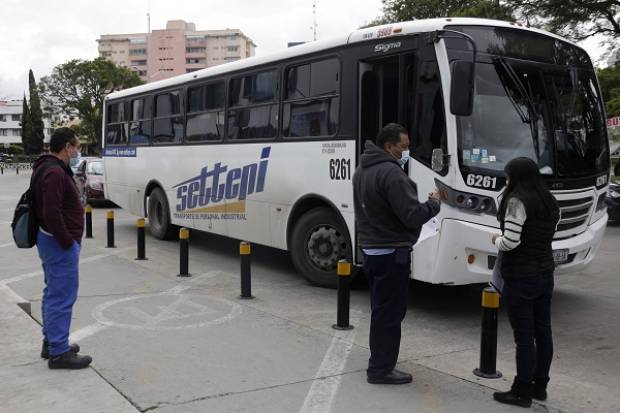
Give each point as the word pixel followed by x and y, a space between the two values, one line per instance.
pixel 10 118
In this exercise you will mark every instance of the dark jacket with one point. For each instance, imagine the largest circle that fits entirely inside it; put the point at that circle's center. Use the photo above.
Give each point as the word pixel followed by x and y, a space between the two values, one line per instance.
pixel 534 255
pixel 58 205
pixel 387 211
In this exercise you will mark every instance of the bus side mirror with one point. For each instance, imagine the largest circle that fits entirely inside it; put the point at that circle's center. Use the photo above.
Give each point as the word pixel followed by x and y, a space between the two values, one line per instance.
pixel 437 160
pixel 462 88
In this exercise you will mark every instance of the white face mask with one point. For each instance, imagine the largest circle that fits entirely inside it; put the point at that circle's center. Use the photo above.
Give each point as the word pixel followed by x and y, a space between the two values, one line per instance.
pixel 404 157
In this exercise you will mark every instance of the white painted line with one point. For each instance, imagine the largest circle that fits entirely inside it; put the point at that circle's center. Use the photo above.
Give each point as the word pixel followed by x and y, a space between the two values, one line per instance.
pixel 11 295
pixel 87 331
pixel 320 397
pixel 40 272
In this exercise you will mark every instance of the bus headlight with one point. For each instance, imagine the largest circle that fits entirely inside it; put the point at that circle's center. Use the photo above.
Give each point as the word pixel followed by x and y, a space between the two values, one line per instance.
pixel 464 200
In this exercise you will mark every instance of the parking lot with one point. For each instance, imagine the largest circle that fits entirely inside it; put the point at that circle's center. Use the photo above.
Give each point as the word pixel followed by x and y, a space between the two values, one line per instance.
pixel 170 344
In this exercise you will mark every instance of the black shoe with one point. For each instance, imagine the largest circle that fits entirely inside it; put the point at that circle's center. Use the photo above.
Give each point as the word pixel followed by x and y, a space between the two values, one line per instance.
pixel 45 353
pixel 540 390
pixel 69 360
pixel 519 395
pixel 393 377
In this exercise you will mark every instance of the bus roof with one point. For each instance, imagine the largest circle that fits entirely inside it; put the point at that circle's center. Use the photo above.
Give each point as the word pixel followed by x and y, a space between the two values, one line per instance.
pixel 387 31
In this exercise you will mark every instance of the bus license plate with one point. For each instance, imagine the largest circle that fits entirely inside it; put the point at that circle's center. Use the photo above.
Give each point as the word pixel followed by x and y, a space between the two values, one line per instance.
pixel 560 256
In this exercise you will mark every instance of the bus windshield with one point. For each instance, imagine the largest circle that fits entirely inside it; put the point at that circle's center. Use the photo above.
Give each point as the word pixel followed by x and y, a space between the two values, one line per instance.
pixel 546 107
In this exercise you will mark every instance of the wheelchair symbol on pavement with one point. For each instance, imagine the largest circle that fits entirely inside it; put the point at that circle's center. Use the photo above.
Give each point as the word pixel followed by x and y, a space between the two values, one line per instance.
pixel 172 310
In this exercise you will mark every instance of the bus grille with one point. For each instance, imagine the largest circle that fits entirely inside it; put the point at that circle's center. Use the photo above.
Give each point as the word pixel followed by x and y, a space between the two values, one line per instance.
pixel 574 214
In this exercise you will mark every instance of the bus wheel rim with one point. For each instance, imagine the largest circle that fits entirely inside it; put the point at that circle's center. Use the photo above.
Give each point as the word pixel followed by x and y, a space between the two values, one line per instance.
pixel 325 247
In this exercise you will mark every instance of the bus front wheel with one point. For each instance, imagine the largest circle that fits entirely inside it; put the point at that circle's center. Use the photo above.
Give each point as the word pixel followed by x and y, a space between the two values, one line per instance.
pixel 319 241
pixel 159 216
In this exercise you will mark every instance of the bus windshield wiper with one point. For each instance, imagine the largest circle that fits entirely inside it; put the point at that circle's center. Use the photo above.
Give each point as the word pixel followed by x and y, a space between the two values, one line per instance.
pixel 526 94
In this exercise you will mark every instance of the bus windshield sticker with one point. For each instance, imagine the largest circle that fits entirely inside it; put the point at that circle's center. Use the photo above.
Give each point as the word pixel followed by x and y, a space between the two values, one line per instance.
pixel 466 155
pixel 201 196
pixel 492 158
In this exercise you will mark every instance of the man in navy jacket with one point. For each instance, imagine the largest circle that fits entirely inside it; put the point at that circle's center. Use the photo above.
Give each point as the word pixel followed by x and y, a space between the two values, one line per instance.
pixel 61 225
pixel 389 219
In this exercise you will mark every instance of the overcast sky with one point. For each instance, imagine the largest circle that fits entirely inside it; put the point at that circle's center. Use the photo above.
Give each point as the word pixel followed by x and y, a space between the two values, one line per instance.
pixel 41 34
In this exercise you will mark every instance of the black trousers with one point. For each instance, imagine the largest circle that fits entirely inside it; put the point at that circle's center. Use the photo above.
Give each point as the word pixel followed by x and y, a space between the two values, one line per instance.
pixel 528 303
pixel 388 279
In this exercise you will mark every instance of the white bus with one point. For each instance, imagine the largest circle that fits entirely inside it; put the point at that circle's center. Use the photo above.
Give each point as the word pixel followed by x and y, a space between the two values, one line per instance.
pixel 264 149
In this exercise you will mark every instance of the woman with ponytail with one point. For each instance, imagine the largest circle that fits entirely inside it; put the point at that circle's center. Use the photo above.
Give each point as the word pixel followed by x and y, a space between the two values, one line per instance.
pixel 528 215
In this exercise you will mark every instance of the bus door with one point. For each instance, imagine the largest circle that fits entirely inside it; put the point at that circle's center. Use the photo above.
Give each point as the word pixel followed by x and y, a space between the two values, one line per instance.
pixel 385 85
pixel 405 88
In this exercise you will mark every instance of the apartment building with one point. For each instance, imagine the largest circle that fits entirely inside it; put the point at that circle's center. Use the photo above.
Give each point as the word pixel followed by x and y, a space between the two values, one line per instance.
pixel 178 49
pixel 10 118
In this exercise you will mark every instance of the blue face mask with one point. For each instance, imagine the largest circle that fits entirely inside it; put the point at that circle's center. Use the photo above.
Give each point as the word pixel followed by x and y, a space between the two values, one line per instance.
pixel 75 160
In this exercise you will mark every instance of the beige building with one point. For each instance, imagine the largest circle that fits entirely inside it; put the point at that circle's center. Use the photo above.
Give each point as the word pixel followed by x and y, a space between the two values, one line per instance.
pixel 178 49
pixel 10 123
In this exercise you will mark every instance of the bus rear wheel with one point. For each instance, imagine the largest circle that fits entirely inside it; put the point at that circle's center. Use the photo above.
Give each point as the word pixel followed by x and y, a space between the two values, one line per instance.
pixel 319 241
pixel 159 216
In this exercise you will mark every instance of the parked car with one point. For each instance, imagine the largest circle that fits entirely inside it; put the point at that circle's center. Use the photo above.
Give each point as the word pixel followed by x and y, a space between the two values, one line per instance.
pixel 89 179
pixel 613 203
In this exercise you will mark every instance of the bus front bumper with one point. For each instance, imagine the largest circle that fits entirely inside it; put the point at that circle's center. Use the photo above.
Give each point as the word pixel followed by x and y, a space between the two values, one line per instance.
pixel 465 254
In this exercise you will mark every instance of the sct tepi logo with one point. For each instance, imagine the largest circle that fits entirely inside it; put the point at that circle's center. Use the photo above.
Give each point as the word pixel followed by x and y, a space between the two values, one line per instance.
pixel 219 182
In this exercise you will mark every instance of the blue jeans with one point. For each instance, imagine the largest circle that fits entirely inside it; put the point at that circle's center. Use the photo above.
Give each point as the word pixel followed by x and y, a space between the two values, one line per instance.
pixel 61 269
pixel 528 303
pixel 388 279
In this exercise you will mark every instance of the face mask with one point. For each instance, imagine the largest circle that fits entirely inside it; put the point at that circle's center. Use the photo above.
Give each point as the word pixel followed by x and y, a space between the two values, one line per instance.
pixel 75 159
pixel 404 157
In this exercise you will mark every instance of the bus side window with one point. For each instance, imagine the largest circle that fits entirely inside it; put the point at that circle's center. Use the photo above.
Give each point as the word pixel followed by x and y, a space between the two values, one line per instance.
pixel 253 108
pixel 116 124
pixel 205 112
pixel 140 121
pixel 312 103
pixel 168 124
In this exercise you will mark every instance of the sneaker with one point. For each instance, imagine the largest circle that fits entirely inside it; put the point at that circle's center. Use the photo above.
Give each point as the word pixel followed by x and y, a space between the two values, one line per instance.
pixel 393 377
pixel 45 354
pixel 69 360
pixel 519 395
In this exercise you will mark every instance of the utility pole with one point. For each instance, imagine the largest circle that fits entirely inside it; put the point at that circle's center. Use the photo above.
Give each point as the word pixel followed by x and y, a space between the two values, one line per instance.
pixel 148 19
pixel 313 28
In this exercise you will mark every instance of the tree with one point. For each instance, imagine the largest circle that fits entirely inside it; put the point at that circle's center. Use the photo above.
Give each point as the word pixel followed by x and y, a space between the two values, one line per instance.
pixel 26 124
pixel 609 79
pixel 80 86
pixel 36 118
pixel 403 10
pixel 573 19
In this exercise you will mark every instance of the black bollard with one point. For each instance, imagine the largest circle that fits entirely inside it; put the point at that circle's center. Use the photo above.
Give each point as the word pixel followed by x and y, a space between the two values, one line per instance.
pixel 88 210
pixel 488 337
pixel 184 261
pixel 141 240
pixel 17 170
pixel 110 219
pixel 245 251
pixel 344 295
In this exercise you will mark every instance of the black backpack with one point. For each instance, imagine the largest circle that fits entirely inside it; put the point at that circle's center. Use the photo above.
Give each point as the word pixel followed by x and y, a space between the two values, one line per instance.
pixel 25 224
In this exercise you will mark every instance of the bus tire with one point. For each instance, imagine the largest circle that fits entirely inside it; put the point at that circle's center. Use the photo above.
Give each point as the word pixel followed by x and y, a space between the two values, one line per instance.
pixel 159 216
pixel 318 241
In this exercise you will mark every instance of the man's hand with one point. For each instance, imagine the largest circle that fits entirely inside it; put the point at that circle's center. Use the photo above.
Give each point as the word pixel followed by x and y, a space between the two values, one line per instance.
pixel 494 237
pixel 436 195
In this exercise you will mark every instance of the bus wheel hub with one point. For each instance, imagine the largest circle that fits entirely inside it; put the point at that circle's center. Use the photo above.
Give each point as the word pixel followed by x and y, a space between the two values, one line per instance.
pixel 325 247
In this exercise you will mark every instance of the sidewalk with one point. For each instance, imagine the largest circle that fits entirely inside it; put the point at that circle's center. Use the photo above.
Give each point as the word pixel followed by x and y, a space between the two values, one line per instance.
pixel 29 386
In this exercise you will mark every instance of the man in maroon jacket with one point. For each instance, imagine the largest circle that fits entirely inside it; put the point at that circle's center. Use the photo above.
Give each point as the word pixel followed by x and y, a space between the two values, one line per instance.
pixel 61 224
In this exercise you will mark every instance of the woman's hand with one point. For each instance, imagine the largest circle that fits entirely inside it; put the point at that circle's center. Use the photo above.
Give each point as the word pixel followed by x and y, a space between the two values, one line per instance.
pixel 494 237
